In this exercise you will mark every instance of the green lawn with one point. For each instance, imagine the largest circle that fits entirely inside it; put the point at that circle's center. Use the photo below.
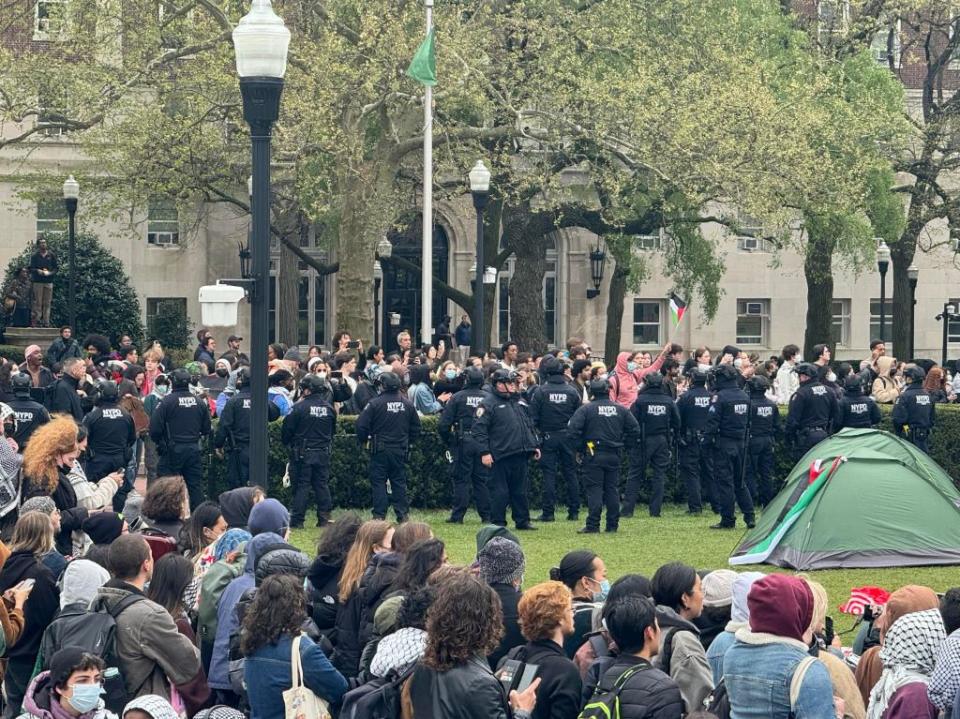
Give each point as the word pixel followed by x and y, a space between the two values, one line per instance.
pixel 643 544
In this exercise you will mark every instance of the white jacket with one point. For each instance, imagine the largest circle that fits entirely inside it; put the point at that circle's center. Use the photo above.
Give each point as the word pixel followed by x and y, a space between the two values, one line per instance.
pixel 786 383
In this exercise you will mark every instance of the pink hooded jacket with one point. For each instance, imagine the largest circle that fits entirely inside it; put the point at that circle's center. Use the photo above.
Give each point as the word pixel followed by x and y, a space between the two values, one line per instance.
pixel 624 383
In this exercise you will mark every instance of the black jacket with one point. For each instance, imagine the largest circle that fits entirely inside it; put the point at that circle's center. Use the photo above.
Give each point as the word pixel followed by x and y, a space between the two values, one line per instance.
pixel 647 694
pixel 512 637
pixel 111 430
pixel 694 409
pixel 65 398
pixel 390 420
pixel 71 515
pixel 234 424
pixel 914 408
pixel 180 418
pixel 858 409
pixel 605 423
pixel 553 404
pixel 467 691
pixel 41 605
pixel 375 586
pixel 558 696
pixel 656 412
pixel 30 415
pixel 764 416
pixel 812 406
pixel 311 424
pixel 502 426
pixel 729 413
pixel 40 262
pixel 352 635
pixel 459 412
pixel 324 594
pixel 59 350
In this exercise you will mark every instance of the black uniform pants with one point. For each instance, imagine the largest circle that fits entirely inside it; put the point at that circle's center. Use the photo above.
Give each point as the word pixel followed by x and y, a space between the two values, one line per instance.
pixel 313 471
pixel 184 459
pixel 918 438
pixel 100 465
pixel 807 439
pixel 510 487
pixel 696 470
pixel 727 467
pixel 655 452
pixel 468 471
pixel 389 464
pixel 601 482
pixel 557 454
pixel 238 466
pixel 760 470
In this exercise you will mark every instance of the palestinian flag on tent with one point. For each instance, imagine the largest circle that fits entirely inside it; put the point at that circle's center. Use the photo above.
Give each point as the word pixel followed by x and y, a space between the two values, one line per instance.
pixel 677 308
pixel 861 498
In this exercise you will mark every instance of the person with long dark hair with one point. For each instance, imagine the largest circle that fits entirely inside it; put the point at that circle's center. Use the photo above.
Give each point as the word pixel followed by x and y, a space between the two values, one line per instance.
pixel 270 634
pixel 204 527
pixel 586 576
pixel 172 574
pixel 327 568
pixel 422 559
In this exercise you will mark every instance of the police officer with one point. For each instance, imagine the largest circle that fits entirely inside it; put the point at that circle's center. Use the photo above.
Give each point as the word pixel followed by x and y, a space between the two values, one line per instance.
pixel 729 415
pixel 176 426
pixel 391 423
pixel 308 435
pixel 857 409
pixel 599 430
pixel 111 434
pixel 552 405
pixel 233 431
pixel 466 468
pixel 914 413
pixel 657 415
pixel 696 449
pixel 505 435
pixel 814 410
pixel 764 428
pixel 29 414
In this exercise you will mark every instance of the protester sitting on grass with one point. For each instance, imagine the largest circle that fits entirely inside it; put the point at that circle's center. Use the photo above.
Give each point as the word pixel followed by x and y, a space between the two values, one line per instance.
pixel 327 568
pixel 717 601
pixel 585 575
pixel 945 680
pixel 502 565
pixel 739 619
pixel 399 650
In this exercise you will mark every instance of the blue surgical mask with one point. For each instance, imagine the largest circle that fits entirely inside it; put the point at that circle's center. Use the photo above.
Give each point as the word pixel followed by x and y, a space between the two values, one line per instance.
pixel 601 594
pixel 163 389
pixel 631 366
pixel 450 374
pixel 86 697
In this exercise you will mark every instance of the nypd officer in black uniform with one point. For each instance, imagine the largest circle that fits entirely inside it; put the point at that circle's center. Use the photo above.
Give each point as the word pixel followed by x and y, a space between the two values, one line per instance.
pixel 657 415
pixel 764 428
pixel 466 468
pixel 600 430
pixel 857 409
pixel 729 415
pixel 308 435
pixel 551 406
pixel 696 449
pixel 30 414
pixel 914 413
pixel 814 411
pixel 111 435
pixel 504 432
pixel 233 431
pixel 391 423
pixel 176 426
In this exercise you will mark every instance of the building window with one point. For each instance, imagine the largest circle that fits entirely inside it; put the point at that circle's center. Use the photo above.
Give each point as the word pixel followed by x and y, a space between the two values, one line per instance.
pixel 887 319
pixel 646 322
pixel 311 307
pixel 163 222
pixel 833 17
pixel 52 108
pixel 503 305
pixel 49 19
pixel 753 319
pixel 953 326
pixel 754 244
pixel 51 217
pixel 840 326
pixel 880 46
pixel 649 243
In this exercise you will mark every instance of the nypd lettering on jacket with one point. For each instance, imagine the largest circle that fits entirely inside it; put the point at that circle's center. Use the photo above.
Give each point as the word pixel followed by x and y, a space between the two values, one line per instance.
pixel 319 412
pixel 111 413
pixel 740 408
pixel 923 399
pixel 474 401
pixel 607 411
pixel 657 410
pixel 819 389
pixel 395 407
pixel 24 416
pixel 861 408
pixel 557 397
pixel 702 401
pixel 246 404
pixel 764 411
pixel 187 401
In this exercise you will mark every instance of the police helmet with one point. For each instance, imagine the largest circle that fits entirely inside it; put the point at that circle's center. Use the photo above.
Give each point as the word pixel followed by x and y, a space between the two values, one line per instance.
pixel 698 377
pixel 758 384
pixel 474 376
pixel 243 377
pixel 725 373
pixel 389 382
pixel 312 383
pixel 180 378
pixel 21 383
pixel 108 390
pixel 653 380
pixel 807 369
pixel 503 376
pixel 550 365
pixel 853 382
pixel 599 388
pixel 914 374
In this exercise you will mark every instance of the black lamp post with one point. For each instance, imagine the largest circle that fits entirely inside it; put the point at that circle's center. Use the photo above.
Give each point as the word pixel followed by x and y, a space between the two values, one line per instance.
pixel 480 189
pixel 913 273
pixel 261 41
pixel 384 251
pixel 71 196
pixel 949 313
pixel 883 262
pixel 598 259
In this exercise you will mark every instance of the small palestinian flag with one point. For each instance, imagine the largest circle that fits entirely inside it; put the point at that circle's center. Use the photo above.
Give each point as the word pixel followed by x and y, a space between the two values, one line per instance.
pixel 677 308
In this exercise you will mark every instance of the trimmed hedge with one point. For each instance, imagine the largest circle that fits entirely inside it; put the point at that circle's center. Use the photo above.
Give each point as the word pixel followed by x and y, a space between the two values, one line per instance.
pixel 428 473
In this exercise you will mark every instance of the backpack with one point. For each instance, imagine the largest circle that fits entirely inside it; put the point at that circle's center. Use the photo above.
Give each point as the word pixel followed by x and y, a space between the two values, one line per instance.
pixel 666 655
pixel 160 543
pixel 606 704
pixel 214 581
pixel 95 632
pixel 378 698
pixel 720 700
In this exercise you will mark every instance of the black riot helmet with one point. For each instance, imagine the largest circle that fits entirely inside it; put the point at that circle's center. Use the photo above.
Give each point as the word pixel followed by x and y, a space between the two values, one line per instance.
pixel 914 374
pixel 243 378
pixel 474 376
pixel 180 378
pixel 550 365
pixel 108 390
pixel 725 375
pixel 503 376
pixel 758 384
pixel 312 383
pixel 389 382
pixel 598 388
pixel 807 369
pixel 698 378
pixel 853 383
pixel 653 380
pixel 21 383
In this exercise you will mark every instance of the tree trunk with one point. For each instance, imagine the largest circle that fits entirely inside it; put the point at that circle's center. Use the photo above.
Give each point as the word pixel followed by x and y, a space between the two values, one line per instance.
pixel 818 271
pixel 527 326
pixel 615 297
pixel 287 297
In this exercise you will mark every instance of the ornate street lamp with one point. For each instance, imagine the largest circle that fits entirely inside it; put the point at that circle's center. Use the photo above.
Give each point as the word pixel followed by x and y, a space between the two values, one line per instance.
pixel 71 196
pixel 598 258
pixel 480 189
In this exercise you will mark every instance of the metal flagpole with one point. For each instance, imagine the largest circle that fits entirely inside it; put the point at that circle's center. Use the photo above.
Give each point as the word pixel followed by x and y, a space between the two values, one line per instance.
pixel 426 300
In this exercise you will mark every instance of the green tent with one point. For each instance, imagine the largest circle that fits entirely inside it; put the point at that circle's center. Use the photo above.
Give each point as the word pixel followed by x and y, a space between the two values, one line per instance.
pixel 862 498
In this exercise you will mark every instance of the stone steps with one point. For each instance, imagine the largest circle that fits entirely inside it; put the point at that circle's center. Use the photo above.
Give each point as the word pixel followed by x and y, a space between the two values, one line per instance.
pixel 23 337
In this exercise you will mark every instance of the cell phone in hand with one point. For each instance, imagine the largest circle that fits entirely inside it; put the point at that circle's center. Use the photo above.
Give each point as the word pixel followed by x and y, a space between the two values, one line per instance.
pixel 336 373
pixel 353 344
pixel 28 583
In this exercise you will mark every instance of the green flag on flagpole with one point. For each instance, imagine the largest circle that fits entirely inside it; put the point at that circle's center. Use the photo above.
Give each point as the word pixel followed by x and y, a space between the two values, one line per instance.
pixel 423 66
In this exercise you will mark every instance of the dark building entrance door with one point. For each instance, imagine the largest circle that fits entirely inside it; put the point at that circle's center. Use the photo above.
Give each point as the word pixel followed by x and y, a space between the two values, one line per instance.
pixel 401 288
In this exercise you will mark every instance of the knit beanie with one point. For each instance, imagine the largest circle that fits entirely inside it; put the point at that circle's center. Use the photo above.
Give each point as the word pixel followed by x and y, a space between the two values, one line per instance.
pixel 269 516
pixel 103 527
pixel 62 664
pixel 718 588
pixel 780 605
pixel 741 588
pixel 45 505
pixel 501 562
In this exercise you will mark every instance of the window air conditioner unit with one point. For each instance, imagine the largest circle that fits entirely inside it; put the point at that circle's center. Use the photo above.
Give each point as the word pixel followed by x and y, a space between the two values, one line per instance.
pixel 754 308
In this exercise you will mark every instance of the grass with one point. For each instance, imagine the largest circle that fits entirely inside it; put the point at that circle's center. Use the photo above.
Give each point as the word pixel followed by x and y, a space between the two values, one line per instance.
pixel 643 544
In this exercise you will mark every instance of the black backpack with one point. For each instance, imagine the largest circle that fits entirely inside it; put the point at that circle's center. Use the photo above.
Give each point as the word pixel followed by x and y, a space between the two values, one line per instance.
pixel 605 703
pixel 378 698
pixel 719 701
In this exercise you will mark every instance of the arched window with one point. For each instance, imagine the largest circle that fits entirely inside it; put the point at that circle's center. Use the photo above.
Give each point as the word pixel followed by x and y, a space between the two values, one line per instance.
pixel 549 294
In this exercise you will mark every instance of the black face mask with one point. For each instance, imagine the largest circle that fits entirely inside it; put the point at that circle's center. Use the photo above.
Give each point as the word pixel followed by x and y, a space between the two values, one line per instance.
pixel 221 372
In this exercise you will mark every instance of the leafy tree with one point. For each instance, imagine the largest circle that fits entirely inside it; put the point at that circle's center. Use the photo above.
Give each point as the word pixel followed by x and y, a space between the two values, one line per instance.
pixel 106 301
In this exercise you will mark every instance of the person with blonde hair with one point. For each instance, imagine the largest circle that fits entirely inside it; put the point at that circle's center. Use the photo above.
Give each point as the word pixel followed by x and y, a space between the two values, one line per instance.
pixel 47 462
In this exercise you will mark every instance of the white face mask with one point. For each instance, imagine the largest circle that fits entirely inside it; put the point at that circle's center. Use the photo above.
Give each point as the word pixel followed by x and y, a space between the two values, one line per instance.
pixel 322 375
pixel 831 377
pixel 704 367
